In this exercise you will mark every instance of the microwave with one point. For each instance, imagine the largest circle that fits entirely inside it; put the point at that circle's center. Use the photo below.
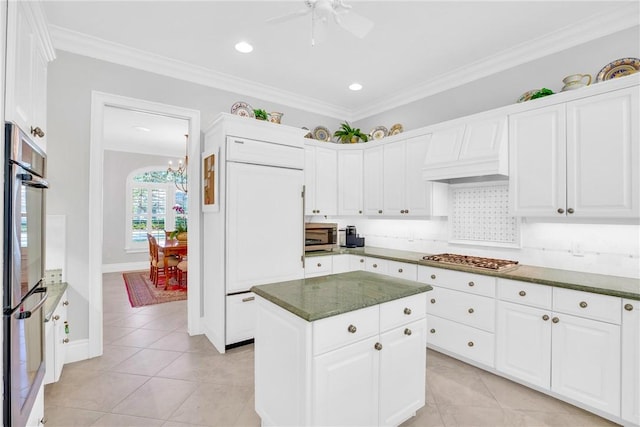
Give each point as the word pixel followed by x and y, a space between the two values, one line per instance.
pixel 320 236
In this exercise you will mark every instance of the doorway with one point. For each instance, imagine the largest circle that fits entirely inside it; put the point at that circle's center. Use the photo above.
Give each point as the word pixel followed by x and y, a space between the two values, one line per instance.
pixel 100 103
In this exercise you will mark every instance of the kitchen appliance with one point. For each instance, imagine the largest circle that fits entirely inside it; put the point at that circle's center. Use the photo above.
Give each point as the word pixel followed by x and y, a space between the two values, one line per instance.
pixel 24 293
pixel 349 237
pixel 473 261
pixel 320 236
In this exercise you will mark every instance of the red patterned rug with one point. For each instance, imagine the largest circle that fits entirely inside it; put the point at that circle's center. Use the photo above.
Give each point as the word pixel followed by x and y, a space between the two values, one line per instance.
pixel 142 291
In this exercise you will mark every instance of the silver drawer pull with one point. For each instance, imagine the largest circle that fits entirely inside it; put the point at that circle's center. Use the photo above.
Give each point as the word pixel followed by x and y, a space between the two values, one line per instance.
pixel 471 284
pixel 470 344
pixel 56 317
pixel 352 329
pixel 65 302
pixel 378 346
pixel 407 311
pixel 433 300
pixel 407 331
pixel 545 317
pixel 65 341
pixel 247 299
pixel 433 277
pixel 628 307
pixel 470 311
pixel 583 304
pixel 361 259
pixel 433 331
pixel 319 265
pixel 522 293
pixel 399 270
pixel 375 265
pixel 555 320
pixel 238 141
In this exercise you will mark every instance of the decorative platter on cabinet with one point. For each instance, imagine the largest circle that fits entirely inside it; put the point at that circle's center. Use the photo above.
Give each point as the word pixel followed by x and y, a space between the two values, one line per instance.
pixel 618 68
pixel 242 109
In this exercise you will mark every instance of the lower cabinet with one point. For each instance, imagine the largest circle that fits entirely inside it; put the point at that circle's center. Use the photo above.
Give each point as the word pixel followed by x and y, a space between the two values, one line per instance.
pixel 630 364
pixel 56 339
pixel 241 317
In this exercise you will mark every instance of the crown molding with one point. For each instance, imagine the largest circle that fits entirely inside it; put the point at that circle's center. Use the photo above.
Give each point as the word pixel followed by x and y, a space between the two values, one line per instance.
pixel 94 47
pixel 587 30
pixel 597 26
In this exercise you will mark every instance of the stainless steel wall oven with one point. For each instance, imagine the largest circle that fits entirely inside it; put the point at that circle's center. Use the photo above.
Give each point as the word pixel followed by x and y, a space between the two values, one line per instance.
pixel 24 293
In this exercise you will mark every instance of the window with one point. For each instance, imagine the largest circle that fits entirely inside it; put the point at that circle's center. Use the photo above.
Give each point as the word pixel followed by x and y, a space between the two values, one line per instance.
pixel 151 194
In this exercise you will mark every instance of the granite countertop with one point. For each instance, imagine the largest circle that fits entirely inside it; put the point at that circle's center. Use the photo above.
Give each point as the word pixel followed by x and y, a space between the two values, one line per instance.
pixel 55 291
pixel 624 287
pixel 325 296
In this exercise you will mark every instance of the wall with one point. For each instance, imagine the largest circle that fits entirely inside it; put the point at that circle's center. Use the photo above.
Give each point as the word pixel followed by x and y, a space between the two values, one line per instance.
pixel 117 166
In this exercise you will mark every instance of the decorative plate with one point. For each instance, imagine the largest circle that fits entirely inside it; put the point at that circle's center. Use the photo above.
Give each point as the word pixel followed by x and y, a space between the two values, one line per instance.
pixel 527 95
pixel 242 109
pixel 379 132
pixel 321 133
pixel 395 129
pixel 308 134
pixel 618 68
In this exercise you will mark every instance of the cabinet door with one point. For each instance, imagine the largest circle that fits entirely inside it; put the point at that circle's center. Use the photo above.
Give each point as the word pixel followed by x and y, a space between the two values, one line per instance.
pixel 418 191
pixel 241 317
pixel 373 181
pixel 40 98
pixel 586 362
pixel 350 175
pixel 630 364
pixel 345 390
pixel 356 262
pixel 394 178
pixel 310 181
pixel 444 146
pixel 537 162
pixel 402 372
pixel 341 263
pixel 603 155
pixel 326 181
pixel 483 139
pixel 523 343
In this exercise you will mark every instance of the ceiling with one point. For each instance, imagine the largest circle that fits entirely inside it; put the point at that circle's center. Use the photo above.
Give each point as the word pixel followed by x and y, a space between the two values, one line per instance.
pixel 416 48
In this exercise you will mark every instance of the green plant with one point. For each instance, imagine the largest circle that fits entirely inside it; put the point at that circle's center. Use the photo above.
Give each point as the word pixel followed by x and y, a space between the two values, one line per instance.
pixel 348 134
pixel 181 221
pixel 260 114
pixel 542 92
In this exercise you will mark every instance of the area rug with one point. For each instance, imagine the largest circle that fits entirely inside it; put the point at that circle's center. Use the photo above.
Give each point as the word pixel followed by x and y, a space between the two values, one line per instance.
pixel 142 291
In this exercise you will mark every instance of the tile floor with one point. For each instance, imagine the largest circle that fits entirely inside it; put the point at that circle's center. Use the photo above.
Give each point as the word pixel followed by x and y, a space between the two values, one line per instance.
pixel 153 374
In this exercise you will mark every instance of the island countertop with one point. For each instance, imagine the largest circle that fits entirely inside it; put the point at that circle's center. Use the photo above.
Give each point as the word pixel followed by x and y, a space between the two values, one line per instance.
pixel 325 296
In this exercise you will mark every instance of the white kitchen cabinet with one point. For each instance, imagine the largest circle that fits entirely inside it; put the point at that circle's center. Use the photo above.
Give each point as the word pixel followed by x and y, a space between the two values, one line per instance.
pixel 577 159
pixel 56 341
pixel 630 410
pixel 373 181
pixel 444 145
pixel 350 180
pixel 340 263
pixel 403 270
pixel 376 265
pixel 241 317
pixel 318 266
pixel 29 50
pixel 321 180
pixel 357 262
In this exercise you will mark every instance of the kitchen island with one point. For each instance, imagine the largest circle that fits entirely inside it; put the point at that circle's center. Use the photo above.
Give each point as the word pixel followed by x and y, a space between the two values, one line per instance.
pixel 343 349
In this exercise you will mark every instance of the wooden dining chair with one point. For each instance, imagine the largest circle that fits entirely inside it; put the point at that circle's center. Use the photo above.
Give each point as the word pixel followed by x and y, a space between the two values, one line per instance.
pixel 158 263
pixel 182 271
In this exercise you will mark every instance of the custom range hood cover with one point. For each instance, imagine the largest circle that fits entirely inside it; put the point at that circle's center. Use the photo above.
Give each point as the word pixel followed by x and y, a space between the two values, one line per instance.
pixel 468 151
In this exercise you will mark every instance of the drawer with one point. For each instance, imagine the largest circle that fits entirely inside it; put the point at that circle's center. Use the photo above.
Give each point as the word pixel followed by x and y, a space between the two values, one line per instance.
pixel 340 263
pixel 458 280
pixel 461 340
pixel 376 265
pixel 472 310
pixel 402 311
pixel 356 262
pixel 402 270
pixel 318 266
pixel 525 293
pixel 585 304
pixel 241 317
pixel 337 331
pixel 264 153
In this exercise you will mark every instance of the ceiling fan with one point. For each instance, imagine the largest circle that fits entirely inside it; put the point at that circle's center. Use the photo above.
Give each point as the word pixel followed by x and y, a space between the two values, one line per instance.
pixel 322 11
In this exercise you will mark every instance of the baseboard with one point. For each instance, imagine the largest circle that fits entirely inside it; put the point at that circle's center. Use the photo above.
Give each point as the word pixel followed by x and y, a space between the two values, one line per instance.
pixel 77 350
pixel 125 266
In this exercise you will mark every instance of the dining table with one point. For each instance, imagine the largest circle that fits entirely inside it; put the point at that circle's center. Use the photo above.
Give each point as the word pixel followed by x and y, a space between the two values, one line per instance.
pixel 172 247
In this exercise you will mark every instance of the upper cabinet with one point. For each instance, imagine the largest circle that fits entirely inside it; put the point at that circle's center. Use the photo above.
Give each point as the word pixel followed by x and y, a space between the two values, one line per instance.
pixel 577 159
pixel 350 178
pixel 373 180
pixel 475 148
pixel 321 180
pixel 29 50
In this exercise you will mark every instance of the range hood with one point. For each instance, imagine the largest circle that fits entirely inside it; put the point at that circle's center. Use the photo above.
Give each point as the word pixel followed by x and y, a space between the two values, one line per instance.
pixel 468 152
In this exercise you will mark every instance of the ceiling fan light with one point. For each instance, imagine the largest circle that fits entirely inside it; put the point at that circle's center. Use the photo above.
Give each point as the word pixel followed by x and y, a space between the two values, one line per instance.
pixel 243 47
pixel 355 86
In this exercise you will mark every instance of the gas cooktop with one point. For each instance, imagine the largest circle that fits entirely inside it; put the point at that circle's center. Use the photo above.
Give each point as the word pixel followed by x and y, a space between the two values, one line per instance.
pixel 473 261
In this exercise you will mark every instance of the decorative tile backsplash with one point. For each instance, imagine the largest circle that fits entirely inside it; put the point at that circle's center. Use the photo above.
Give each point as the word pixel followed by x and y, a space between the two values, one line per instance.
pixel 480 215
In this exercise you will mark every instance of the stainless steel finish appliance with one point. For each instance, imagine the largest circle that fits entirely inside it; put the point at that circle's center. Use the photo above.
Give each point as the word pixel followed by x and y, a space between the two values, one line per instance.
pixel 24 293
pixel 473 261
pixel 320 236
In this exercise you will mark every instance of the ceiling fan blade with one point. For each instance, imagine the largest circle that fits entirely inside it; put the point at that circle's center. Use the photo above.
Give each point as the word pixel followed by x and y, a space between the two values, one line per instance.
pixel 289 16
pixel 356 24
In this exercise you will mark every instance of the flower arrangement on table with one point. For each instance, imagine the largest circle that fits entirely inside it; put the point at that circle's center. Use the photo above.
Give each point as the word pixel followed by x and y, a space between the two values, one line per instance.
pixel 181 221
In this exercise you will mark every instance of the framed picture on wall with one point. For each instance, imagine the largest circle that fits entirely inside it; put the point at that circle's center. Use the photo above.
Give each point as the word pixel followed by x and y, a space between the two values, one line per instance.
pixel 210 195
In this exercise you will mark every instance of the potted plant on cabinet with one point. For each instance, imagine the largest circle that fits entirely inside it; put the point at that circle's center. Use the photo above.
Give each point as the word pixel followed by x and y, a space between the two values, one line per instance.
pixel 348 134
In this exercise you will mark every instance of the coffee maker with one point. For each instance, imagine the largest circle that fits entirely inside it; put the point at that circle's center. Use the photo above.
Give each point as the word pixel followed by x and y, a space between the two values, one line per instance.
pixel 349 237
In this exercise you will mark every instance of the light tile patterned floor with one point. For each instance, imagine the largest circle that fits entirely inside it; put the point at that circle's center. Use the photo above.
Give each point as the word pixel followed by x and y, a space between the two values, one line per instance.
pixel 153 373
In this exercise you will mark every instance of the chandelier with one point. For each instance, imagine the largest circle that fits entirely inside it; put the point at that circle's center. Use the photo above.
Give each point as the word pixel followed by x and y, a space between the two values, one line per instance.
pixel 179 175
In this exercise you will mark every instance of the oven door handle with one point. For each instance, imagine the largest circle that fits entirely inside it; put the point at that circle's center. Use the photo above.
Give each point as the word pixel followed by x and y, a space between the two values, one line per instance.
pixel 26 314
pixel 32 181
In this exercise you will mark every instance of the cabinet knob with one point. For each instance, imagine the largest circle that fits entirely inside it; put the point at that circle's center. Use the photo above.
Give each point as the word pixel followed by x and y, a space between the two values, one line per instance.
pixel 36 131
pixel 407 331
pixel 470 343
pixel 352 329
pixel 471 284
pixel 375 265
pixel 570 210
pixel 560 210
pixel 628 307
pixel 470 311
pixel 545 317
pixel 407 311
pixel 522 293
pixel 318 211
pixel 583 304
pixel 359 212
pixel 380 211
pixel 319 265
pixel 433 331
pixel 401 211
pixel 433 300
pixel 56 317
pixel 406 211
pixel 65 341
pixel 400 270
pixel 433 277
pixel 65 302
pixel 555 320
pixel 378 346
pixel 361 259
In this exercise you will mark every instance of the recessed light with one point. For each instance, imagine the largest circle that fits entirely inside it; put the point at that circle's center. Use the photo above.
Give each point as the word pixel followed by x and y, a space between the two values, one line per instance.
pixel 142 129
pixel 243 47
pixel 355 86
